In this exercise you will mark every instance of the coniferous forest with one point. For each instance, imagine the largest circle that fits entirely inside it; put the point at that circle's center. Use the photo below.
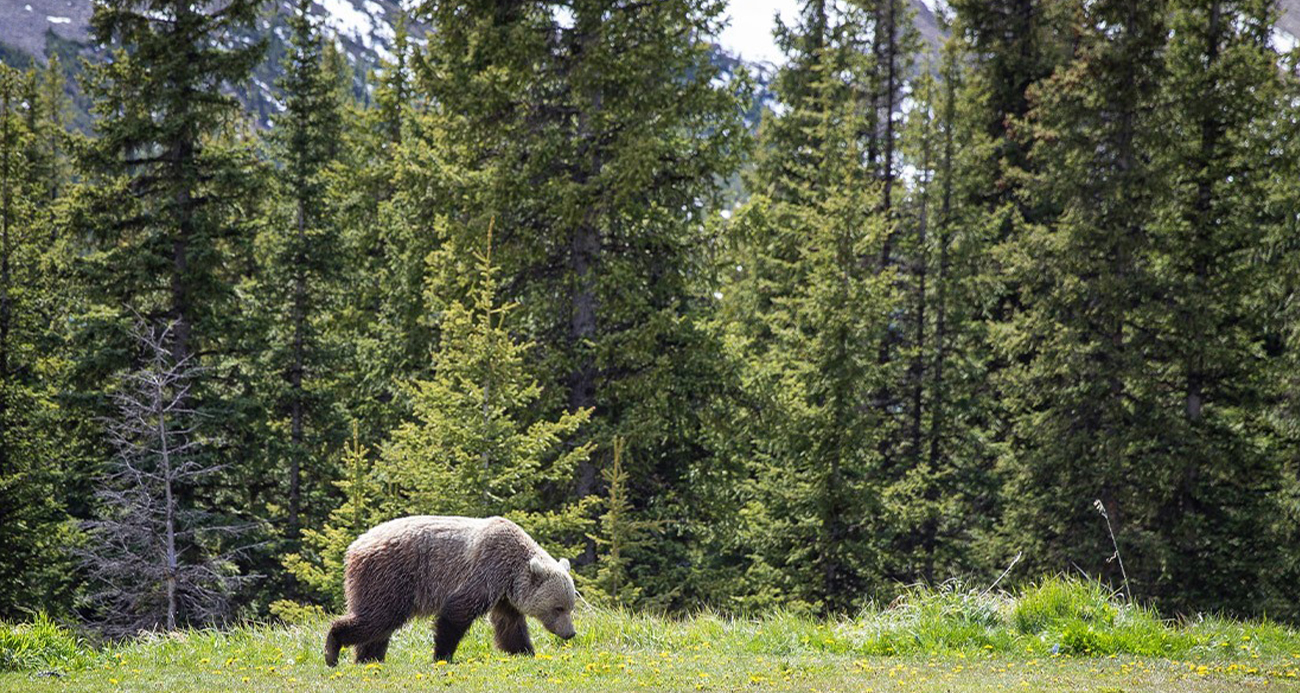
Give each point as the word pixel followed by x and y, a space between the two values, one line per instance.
pixel 1028 303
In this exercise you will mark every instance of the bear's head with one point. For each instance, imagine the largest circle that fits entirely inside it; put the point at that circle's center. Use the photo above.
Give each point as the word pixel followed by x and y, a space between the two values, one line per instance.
pixel 548 595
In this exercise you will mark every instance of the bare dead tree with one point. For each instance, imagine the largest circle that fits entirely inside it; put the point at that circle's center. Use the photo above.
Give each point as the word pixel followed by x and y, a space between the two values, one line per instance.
pixel 154 562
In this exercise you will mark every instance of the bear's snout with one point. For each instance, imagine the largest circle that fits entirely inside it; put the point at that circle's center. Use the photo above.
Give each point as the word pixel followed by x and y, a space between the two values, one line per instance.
pixel 562 627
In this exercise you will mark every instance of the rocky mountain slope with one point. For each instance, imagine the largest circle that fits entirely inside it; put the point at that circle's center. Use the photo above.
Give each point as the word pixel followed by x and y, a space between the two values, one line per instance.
pixel 33 30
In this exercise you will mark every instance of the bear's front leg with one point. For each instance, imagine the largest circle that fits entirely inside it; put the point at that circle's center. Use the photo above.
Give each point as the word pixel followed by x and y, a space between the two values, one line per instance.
pixel 456 616
pixel 511 629
pixel 372 651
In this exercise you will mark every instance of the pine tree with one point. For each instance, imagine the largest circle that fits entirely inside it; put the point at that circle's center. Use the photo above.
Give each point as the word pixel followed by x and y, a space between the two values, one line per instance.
pixel 621 532
pixel 1214 473
pixel 469 449
pixel 1082 423
pixel 172 197
pixel 319 564
pixel 596 132
pixel 810 309
pixel 928 492
pixel 383 323
pixel 35 534
pixel 303 264
pixel 170 191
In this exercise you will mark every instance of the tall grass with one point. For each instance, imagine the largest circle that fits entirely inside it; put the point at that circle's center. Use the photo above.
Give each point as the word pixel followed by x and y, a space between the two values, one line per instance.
pixel 38 645
pixel 1057 617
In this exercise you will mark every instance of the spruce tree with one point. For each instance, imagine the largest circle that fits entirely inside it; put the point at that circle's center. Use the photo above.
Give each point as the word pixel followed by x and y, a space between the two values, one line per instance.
pixel 470 448
pixel 169 209
pixel 810 307
pixel 34 528
pixel 302 265
pixel 1083 423
pixel 597 133
pixel 172 197
pixel 319 564
pixel 1215 472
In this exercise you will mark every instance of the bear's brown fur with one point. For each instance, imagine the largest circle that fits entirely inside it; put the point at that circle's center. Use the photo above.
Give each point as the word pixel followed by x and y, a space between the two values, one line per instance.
pixel 457 568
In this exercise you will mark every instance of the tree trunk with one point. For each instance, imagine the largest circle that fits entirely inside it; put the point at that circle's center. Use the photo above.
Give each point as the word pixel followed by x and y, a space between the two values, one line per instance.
pixel 941 280
pixel 6 307
pixel 1211 135
pixel 169 501
pixel 296 374
pixel 582 328
pixel 921 265
pixel 887 164
pixel 182 164
pixel 584 260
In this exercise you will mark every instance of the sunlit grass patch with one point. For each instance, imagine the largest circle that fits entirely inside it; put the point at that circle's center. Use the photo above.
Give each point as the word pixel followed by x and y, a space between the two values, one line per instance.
pixel 39 644
pixel 1056 634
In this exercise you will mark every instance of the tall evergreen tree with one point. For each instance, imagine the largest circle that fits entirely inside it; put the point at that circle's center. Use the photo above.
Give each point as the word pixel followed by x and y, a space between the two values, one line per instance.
pixel 302 264
pixel 1214 469
pixel 169 215
pixel 810 308
pixel 1079 419
pixel 470 449
pixel 597 133
pixel 172 196
pixel 34 529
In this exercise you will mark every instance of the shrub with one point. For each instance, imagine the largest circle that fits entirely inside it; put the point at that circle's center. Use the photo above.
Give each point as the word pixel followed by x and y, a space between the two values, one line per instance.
pixel 40 644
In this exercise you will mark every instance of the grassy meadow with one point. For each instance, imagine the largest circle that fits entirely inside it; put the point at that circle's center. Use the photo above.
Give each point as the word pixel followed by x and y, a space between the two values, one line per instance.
pixel 1059 635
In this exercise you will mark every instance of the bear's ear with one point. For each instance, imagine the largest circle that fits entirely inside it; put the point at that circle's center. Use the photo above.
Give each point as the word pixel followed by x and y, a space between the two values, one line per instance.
pixel 564 564
pixel 537 566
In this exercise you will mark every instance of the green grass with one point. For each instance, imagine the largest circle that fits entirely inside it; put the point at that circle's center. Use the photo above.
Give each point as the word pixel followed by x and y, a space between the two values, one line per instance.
pixel 1059 635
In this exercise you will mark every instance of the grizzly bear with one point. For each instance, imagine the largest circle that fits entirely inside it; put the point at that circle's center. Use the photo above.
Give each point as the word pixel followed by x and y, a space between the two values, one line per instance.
pixel 455 568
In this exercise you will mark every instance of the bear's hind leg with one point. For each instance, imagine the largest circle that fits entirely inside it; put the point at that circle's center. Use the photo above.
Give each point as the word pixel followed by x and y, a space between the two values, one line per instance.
pixel 373 651
pixel 357 630
pixel 343 632
pixel 511 630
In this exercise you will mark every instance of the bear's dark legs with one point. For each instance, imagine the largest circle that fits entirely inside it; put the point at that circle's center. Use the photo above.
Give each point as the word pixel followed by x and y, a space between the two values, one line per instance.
pixel 356 630
pixel 373 651
pixel 458 613
pixel 342 633
pixel 511 629
pixel 447 634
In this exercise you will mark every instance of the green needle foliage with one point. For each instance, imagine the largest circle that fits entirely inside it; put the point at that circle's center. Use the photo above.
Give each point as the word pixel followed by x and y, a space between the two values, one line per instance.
pixel 470 449
pixel 35 531
pixel 1145 304
pixel 812 316
pixel 302 267
pixel 319 566
pixel 909 322
pixel 172 189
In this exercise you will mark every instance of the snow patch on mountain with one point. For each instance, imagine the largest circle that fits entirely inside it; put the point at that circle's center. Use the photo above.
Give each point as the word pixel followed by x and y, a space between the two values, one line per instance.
pixel 1283 40
pixel 344 18
pixel 935 6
